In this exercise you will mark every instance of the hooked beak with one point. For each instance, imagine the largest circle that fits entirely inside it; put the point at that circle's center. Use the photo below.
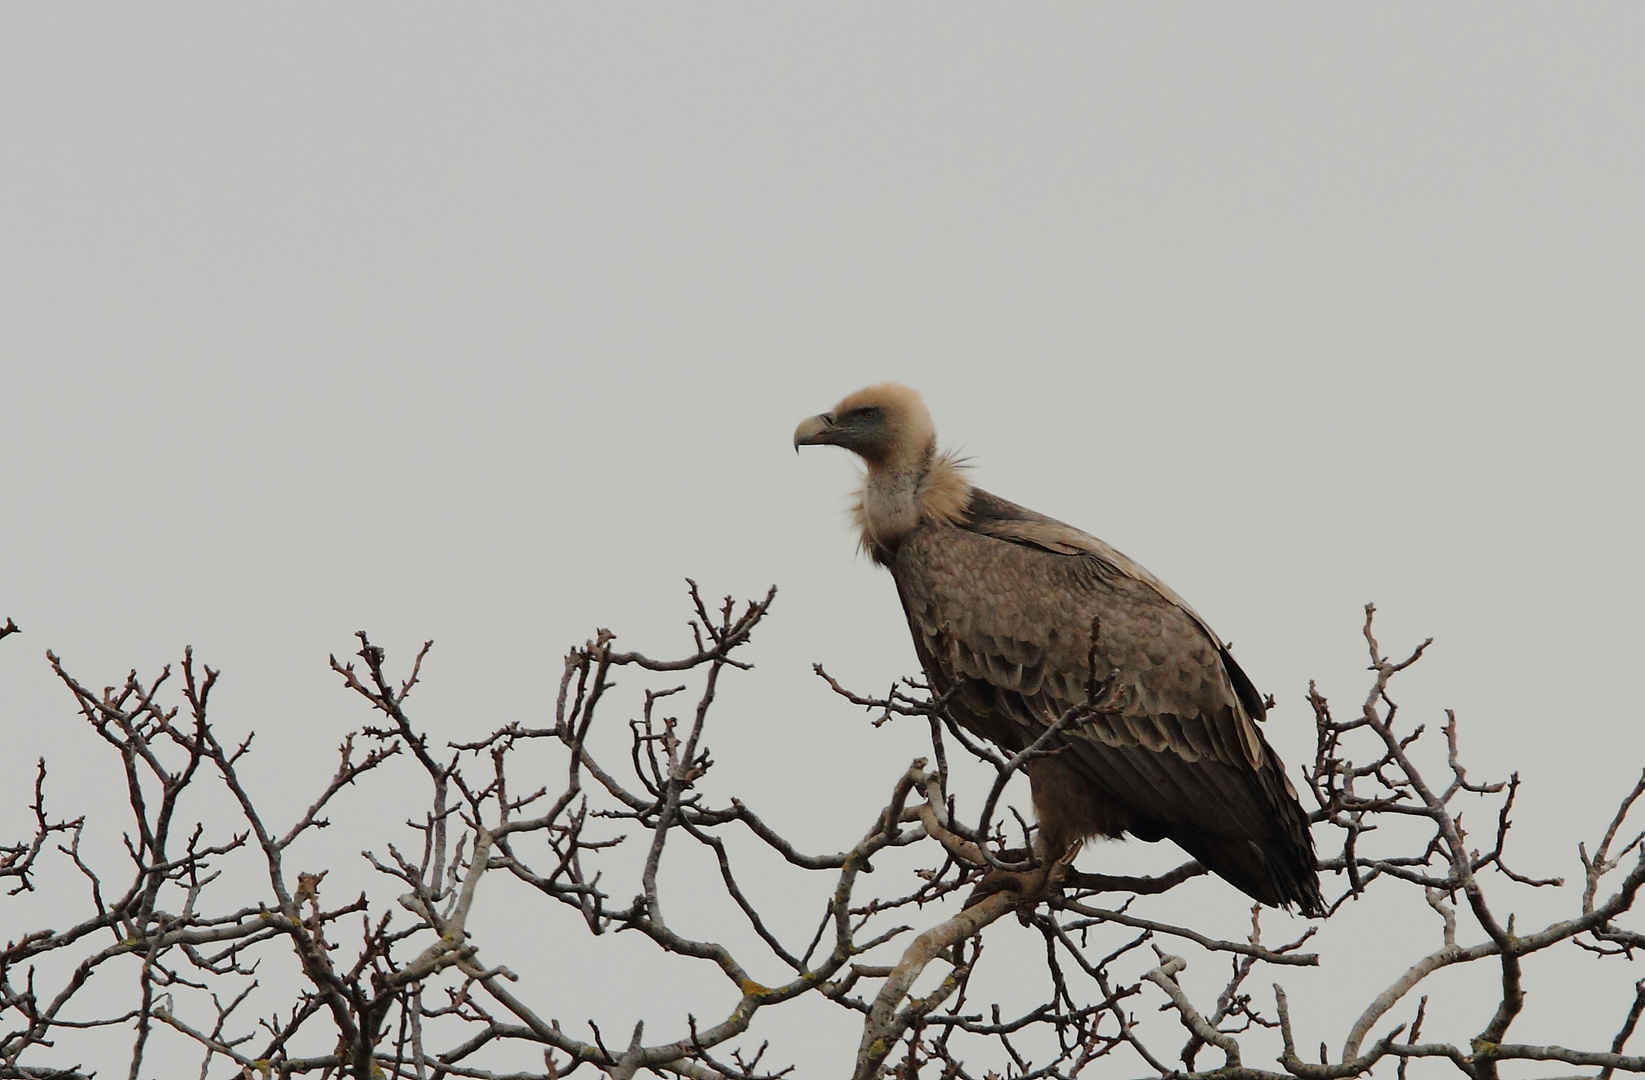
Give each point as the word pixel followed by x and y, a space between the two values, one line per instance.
pixel 814 430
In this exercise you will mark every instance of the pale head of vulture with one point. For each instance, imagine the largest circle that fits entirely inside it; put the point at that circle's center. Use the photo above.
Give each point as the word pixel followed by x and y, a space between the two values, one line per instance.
pixel 908 481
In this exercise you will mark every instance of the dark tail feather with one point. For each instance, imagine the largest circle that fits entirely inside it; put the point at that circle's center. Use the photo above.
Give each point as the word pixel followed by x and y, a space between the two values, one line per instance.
pixel 1278 879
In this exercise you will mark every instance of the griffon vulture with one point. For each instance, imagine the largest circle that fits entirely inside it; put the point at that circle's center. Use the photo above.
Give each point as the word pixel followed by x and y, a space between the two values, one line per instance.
pixel 1001 603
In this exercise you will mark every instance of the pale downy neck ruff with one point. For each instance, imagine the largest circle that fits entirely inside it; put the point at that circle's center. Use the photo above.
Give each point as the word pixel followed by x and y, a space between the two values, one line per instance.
pixel 897 496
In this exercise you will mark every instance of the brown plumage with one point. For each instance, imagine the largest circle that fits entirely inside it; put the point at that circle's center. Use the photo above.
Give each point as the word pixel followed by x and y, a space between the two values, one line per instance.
pixel 1001 601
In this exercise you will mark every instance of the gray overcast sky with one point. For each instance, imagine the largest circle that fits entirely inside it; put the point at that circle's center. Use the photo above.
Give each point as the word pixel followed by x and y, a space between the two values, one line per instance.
pixel 492 325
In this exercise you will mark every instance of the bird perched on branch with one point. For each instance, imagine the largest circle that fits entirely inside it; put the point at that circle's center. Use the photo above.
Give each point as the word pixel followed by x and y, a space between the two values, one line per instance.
pixel 1017 615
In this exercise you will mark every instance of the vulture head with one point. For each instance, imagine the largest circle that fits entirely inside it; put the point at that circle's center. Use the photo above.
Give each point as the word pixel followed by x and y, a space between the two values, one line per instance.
pixel 886 425
pixel 908 481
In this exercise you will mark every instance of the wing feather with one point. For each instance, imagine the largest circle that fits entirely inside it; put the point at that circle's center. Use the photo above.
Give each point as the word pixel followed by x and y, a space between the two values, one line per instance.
pixel 1002 605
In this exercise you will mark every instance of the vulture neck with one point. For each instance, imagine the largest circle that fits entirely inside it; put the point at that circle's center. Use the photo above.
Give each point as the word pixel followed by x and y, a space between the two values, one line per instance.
pixel 901 494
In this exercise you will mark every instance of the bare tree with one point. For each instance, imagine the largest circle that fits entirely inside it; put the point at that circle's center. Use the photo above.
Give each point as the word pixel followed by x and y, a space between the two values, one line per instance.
pixel 408 992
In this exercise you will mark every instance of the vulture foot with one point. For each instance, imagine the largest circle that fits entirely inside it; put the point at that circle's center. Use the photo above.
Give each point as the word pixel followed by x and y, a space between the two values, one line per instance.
pixel 1040 883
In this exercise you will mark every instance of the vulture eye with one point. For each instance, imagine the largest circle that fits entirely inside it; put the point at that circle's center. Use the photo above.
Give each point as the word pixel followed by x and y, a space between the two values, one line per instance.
pixel 869 412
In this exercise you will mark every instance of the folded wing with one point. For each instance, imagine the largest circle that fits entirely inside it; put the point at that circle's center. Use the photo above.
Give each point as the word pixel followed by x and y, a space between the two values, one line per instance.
pixel 1003 605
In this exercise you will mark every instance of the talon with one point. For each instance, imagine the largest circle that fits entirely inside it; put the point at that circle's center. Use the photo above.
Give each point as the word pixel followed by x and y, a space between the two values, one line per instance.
pixel 1035 885
pixel 1040 883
